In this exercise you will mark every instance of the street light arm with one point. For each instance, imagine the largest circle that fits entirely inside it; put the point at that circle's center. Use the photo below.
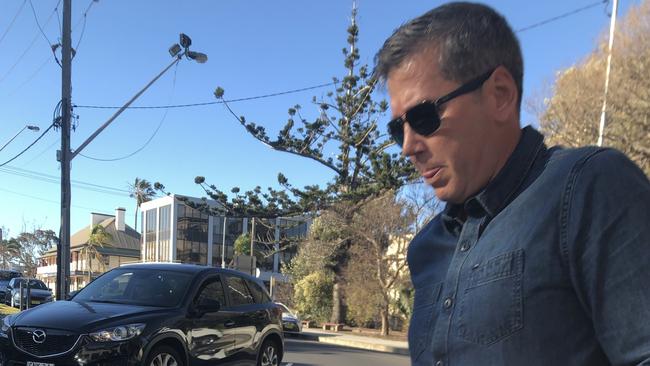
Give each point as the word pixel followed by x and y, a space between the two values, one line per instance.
pixel 13 138
pixel 124 107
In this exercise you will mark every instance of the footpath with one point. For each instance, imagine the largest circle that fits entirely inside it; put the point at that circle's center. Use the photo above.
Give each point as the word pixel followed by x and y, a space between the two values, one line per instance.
pixel 352 341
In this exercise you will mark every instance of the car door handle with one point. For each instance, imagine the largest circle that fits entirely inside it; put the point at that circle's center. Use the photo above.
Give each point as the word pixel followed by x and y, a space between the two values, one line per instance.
pixel 229 324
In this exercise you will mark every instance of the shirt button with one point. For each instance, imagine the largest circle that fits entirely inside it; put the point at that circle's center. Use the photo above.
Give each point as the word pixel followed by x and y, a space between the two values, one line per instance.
pixel 464 247
pixel 447 303
pixel 439 363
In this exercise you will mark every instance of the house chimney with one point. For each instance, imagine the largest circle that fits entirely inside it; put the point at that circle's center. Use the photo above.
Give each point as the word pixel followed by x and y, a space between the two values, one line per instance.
pixel 119 219
pixel 96 218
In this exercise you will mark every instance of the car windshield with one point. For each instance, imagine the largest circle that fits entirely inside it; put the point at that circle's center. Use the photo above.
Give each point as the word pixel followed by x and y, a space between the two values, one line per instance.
pixel 33 284
pixel 146 287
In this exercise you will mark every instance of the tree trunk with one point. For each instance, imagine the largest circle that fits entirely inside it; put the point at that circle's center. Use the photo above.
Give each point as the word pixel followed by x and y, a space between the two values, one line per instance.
pixel 385 326
pixel 336 303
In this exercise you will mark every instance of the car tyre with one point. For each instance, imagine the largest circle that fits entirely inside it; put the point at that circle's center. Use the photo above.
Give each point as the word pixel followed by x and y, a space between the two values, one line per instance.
pixel 269 354
pixel 164 356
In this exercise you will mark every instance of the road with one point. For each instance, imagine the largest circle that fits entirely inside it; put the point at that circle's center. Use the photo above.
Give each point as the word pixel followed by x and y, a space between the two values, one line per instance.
pixel 311 353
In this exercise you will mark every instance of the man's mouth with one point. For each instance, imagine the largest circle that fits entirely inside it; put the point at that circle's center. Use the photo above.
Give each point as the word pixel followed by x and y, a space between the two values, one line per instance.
pixel 429 174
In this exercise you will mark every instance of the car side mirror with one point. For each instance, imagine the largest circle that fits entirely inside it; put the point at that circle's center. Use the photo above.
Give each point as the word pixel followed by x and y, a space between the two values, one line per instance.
pixel 9 287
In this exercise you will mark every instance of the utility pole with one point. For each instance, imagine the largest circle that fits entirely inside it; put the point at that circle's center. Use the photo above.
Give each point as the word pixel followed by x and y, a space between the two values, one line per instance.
pixel 63 249
pixel 612 27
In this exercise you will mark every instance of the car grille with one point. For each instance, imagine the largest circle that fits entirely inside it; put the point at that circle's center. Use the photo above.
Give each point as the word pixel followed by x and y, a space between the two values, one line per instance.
pixel 56 341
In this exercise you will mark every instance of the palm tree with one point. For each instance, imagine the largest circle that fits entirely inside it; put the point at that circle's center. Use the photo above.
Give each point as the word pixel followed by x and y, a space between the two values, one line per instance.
pixel 142 191
pixel 98 238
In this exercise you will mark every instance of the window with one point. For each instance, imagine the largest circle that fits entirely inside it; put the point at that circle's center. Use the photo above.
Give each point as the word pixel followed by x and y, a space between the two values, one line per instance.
pixel 211 292
pixel 239 294
pixel 192 235
pixel 164 233
pixel 259 294
pixel 150 235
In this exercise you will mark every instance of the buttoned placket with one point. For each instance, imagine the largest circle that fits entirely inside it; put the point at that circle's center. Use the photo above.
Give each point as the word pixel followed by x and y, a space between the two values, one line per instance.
pixel 467 239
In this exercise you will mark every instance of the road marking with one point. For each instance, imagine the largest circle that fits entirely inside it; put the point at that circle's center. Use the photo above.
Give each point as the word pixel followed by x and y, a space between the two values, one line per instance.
pixel 289 364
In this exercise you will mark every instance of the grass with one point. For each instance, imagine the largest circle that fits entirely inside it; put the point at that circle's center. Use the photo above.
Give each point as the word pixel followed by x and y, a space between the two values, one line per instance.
pixel 7 310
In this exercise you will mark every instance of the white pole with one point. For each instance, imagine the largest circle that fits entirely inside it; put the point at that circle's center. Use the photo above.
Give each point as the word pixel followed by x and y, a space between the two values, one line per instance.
pixel 223 246
pixel 612 27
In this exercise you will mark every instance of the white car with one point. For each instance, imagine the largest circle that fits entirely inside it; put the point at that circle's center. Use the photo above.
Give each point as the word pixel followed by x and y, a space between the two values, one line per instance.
pixel 290 321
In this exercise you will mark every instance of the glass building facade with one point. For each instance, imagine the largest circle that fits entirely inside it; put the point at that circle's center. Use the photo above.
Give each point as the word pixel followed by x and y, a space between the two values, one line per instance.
pixel 176 232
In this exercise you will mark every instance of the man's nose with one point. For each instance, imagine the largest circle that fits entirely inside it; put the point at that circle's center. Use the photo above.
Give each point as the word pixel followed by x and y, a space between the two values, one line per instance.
pixel 409 145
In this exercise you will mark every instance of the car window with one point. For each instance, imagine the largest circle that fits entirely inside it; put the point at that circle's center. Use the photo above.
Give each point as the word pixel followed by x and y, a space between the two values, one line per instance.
pixel 239 294
pixel 210 292
pixel 147 287
pixel 259 294
pixel 37 284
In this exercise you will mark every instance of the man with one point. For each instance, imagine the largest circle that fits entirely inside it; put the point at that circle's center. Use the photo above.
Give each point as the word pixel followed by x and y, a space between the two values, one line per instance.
pixel 542 255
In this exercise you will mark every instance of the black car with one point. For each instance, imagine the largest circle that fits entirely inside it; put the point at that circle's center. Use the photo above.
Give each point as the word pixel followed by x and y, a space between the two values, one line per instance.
pixel 38 292
pixel 154 315
pixel 5 277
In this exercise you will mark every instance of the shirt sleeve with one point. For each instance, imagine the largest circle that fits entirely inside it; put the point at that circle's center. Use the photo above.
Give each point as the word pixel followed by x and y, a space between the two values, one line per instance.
pixel 606 225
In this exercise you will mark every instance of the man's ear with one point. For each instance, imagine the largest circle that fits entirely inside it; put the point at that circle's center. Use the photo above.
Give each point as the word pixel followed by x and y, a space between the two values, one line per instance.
pixel 504 95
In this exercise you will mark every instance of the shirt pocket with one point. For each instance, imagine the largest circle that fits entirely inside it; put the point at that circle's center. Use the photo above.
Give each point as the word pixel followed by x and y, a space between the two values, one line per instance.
pixel 491 307
pixel 422 320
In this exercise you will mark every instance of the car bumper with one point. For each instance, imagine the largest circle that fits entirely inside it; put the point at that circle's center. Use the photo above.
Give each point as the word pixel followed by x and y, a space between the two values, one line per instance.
pixel 85 352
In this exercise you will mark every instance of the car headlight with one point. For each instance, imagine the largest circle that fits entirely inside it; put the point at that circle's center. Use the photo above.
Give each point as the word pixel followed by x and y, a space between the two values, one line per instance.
pixel 119 333
pixel 6 324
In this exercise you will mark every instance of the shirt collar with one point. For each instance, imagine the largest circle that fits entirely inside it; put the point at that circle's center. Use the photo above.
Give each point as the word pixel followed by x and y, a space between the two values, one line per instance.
pixel 501 190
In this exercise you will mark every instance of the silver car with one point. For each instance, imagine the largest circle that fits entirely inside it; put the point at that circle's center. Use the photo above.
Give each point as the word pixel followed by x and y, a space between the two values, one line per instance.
pixel 39 293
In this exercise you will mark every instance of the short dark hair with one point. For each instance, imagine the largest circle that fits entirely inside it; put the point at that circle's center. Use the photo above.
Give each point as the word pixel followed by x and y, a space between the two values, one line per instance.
pixel 470 40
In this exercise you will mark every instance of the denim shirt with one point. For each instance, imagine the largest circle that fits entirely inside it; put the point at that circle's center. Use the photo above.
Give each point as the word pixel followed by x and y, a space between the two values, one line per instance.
pixel 548 265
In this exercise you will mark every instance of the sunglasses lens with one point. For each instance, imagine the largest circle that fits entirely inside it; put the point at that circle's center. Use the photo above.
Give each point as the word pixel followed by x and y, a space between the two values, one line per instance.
pixel 396 130
pixel 424 118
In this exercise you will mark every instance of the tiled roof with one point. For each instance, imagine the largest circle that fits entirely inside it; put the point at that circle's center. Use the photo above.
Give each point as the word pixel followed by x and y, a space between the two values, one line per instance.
pixel 127 241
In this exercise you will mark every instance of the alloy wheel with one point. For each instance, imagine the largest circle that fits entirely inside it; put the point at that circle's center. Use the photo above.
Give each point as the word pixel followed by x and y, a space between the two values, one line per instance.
pixel 164 359
pixel 269 356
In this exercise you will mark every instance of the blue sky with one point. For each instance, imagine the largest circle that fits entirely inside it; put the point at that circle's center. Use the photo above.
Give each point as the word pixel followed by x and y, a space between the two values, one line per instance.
pixel 254 48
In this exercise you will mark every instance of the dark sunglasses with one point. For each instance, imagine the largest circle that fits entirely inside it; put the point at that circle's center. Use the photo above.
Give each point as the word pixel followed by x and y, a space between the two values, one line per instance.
pixel 424 118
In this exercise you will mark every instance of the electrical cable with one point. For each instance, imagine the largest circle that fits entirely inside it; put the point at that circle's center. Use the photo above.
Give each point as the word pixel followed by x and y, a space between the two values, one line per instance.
pixel 13 20
pixel 27 148
pixel 45 199
pixel 150 138
pixel 47 178
pixel 83 28
pixel 561 16
pixel 27 49
pixel 39 24
pixel 210 103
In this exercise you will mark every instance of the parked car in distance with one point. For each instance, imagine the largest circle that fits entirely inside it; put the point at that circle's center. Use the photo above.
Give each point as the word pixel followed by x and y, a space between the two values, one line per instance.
pixel 152 314
pixel 290 320
pixel 5 276
pixel 39 293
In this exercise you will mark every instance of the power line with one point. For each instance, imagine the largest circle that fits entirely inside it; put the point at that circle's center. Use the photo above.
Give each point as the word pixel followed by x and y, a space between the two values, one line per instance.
pixel 152 135
pixel 39 24
pixel 27 148
pixel 49 201
pixel 561 16
pixel 13 20
pixel 26 50
pixel 83 28
pixel 211 103
pixel 47 178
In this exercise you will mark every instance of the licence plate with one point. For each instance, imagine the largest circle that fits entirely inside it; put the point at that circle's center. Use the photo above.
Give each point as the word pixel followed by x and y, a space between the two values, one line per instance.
pixel 31 363
pixel 36 302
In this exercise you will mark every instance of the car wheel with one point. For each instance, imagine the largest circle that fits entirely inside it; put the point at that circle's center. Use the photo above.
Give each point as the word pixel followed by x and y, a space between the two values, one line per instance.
pixel 269 355
pixel 164 356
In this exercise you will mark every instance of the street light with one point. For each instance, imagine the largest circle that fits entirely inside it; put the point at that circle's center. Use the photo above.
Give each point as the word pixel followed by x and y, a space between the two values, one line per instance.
pixel 29 127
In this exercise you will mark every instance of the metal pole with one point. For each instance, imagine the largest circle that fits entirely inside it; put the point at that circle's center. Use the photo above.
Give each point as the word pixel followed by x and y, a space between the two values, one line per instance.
pixel 612 28
pixel 124 107
pixel 63 249
pixel 223 247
